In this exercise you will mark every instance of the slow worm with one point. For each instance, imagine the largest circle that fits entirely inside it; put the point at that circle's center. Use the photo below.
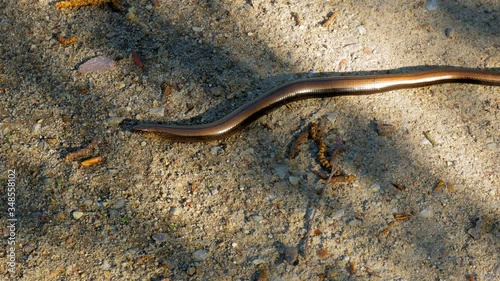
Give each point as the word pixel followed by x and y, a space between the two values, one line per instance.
pixel 315 88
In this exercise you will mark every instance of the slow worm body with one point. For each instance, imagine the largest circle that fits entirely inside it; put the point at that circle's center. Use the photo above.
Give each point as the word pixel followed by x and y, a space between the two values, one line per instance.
pixel 315 88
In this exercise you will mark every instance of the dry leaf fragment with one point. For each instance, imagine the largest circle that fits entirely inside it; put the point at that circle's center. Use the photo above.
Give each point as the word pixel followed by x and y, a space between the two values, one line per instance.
pixel 66 41
pixel 92 161
pixel 137 59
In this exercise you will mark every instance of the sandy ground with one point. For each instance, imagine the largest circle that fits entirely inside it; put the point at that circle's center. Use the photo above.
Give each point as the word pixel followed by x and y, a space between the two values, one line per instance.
pixel 238 209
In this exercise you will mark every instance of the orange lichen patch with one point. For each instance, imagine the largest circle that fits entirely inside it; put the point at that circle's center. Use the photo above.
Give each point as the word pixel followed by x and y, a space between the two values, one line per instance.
pixel 80 3
pixel 92 161
pixel 66 41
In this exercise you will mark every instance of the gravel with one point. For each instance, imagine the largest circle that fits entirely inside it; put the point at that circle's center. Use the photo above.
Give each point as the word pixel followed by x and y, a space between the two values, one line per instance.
pixel 158 210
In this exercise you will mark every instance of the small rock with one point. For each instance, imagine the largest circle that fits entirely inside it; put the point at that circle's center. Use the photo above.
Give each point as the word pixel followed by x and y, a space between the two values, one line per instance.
pixel 384 129
pixel 475 231
pixel 426 213
pixel 339 214
pixel 491 146
pixel 174 211
pixel 197 29
pixel 60 216
pixel 77 215
pixel 28 248
pixel 158 111
pixel 113 121
pixel 281 171
pixel 97 64
pixel 291 255
pixel 431 5
pixel 159 237
pixel 354 222
pixel 294 180
pixel 106 265
pixel 361 29
pixel 449 32
pixel 37 127
pixel 200 255
pixel 216 150
pixel 191 271
pixel 258 218
pixel 119 203
pixel 258 261
pixel 112 213
pixel 375 187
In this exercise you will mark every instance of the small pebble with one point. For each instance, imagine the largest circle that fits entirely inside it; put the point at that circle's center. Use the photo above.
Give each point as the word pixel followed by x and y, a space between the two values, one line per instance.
pixel 191 271
pixel 77 215
pixel 159 237
pixel 258 218
pixel 113 121
pixel 174 211
pixel 449 32
pixel 384 129
pixel 291 254
pixel 28 248
pixel 354 222
pixel 475 232
pixel 431 5
pixel 426 213
pixel 258 261
pixel 105 265
pixel 37 127
pixel 281 171
pixel 338 214
pixel 216 150
pixel 158 111
pixel 112 213
pixel 97 64
pixel 375 187
pixel 294 180
pixel 119 203
pixel 60 216
pixel 200 255
pixel 197 29
pixel 361 29
pixel 491 146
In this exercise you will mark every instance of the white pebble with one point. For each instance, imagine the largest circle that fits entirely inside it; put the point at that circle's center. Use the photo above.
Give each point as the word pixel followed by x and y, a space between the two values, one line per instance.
pixel 159 237
pixel 174 211
pixel 431 5
pixel 338 214
pixel 375 187
pixel 216 150
pixel 361 29
pixel 77 215
pixel 426 213
pixel 158 111
pixel 97 64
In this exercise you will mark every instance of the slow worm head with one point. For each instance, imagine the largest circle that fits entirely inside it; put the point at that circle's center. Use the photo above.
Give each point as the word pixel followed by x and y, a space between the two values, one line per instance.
pixel 315 88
